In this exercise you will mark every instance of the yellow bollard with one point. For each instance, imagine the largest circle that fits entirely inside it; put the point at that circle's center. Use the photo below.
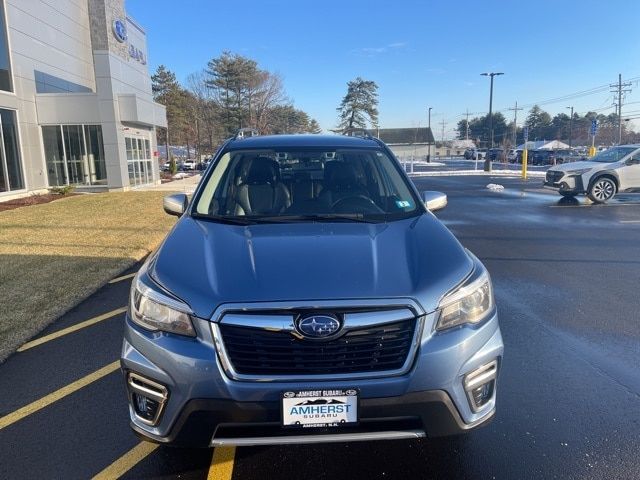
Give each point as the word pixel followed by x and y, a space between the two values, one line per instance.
pixel 592 151
pixel 525 154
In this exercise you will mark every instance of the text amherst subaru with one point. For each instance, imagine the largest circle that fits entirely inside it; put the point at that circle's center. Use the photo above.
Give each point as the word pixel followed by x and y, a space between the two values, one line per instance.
pixel 307 294
pixel 614 170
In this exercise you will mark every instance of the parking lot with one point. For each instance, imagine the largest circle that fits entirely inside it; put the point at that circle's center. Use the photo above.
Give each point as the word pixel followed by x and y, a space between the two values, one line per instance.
pixel 566 276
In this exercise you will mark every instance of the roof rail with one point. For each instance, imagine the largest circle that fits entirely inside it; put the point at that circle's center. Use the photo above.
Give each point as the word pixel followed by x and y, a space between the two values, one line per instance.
pixel 245 133
pixel 358 132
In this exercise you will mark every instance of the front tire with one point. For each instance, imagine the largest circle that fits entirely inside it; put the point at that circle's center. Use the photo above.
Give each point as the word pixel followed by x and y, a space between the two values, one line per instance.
pixel 602 189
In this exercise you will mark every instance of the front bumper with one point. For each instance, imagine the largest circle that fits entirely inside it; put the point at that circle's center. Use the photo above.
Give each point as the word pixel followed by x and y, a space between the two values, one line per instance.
pixel 567 184
pixel 205 422
pixel 206 407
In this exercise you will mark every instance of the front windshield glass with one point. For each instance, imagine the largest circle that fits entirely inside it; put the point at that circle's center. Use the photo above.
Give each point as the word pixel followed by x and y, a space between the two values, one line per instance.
pixel 306 185
pixel 612 154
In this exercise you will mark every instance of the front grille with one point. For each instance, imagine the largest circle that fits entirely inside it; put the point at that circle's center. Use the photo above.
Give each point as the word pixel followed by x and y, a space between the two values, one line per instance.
pixel 554 176
pixel 256 351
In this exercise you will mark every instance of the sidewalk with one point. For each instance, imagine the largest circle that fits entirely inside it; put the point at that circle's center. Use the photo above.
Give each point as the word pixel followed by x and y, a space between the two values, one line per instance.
pixel 184 185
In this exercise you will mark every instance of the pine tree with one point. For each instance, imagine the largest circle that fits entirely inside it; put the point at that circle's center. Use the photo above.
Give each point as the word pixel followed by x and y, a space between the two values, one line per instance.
pixel 168 92
pixel 359 105
pixel 234 78
pixel 314 126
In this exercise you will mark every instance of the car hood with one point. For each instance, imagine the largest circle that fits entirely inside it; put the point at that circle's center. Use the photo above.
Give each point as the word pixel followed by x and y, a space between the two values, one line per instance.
pixel 205 263
pixel 567 167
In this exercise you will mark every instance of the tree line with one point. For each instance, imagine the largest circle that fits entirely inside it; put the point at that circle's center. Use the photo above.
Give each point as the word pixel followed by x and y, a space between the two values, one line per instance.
pixel 542 126
pixel 232 92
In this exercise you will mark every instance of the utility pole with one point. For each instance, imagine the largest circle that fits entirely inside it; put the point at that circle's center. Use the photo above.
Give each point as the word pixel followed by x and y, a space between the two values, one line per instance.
pixel 619 89
pixel 431 133
pixel 515 123
pixel 571 128
pixel 444 124
pixel 487 161
pixel 466 136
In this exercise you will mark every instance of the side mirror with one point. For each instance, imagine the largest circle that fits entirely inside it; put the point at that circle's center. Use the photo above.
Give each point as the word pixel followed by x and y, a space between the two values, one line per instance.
pixel 175 204
pixel 633 161
pixel 434 200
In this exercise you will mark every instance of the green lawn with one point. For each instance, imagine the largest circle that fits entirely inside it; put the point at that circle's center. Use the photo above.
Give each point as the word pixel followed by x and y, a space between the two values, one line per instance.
pixel 54 255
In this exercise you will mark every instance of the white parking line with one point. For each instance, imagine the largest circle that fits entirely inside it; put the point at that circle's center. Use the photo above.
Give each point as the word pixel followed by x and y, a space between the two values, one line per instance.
pixel 593 205
pixel 629 221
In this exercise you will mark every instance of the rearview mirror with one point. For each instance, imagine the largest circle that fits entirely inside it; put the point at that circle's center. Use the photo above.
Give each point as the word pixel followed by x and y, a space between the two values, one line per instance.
pixel 434 200
pixel 175 204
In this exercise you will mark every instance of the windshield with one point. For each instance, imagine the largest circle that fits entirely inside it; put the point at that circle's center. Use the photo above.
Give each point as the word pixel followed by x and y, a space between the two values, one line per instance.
pixel 613 154
pixel 306 185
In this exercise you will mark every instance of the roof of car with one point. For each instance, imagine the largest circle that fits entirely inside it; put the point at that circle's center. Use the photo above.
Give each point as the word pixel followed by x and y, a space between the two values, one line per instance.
pixel 288 141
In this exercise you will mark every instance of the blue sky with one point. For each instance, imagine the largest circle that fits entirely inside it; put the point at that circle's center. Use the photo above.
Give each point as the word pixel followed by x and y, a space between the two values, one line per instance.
pixel 420 53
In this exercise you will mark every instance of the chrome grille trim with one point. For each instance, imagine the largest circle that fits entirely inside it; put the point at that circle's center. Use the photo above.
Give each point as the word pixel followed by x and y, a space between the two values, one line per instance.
pixel 394 310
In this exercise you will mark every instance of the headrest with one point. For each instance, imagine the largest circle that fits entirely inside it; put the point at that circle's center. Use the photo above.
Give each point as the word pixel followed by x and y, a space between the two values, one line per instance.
pixel 263 170
pixel 339 174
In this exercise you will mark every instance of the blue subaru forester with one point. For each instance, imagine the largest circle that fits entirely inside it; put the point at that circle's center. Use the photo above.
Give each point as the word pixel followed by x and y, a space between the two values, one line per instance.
pixel 308 294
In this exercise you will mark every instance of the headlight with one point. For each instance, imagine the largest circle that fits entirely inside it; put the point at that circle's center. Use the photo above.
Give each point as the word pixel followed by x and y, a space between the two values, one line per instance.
pixel 470 304
pixel 155 311
pixel 578 172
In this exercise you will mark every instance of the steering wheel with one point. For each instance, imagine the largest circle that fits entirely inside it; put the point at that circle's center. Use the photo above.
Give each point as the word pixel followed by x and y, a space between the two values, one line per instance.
pixel 355 204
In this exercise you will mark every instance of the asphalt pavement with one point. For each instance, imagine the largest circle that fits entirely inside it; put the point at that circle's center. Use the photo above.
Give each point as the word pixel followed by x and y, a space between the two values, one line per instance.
pixel 566 277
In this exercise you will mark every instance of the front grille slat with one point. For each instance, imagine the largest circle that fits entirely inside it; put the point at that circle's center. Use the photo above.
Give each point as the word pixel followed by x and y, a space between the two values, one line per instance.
pixel 554 176
pixel 379 348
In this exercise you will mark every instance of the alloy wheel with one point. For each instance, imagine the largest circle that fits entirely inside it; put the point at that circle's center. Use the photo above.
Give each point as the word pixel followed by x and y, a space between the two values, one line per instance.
pixel 603 190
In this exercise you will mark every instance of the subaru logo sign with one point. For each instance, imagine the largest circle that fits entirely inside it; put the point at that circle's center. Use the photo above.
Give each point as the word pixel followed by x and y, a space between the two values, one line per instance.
pixel 120 31
pixel 318 326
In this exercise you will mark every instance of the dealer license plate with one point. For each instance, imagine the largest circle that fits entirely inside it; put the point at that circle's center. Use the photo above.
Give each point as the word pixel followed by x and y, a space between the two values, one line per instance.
pixel 319 408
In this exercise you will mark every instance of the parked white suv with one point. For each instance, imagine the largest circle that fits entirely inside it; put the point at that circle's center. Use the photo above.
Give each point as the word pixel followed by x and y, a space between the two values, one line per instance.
pixel 614 170
pixel 189 165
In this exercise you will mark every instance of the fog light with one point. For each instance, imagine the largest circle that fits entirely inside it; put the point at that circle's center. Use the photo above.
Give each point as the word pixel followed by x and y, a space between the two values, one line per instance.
pixel 480 385
pixel 147 398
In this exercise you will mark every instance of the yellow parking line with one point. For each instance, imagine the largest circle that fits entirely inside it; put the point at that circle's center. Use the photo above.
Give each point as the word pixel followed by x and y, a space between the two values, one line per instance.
pixel 127 461
pixel 123 277
pixel 73 328
pixel 221 467
pixel 57 395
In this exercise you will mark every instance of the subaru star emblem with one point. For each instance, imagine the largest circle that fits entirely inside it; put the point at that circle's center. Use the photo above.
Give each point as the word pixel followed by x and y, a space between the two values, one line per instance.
pixel 120 31
pixel 318 326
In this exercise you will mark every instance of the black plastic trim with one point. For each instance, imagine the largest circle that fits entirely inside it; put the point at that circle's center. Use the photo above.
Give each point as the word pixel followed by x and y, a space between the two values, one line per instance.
pixel 433 410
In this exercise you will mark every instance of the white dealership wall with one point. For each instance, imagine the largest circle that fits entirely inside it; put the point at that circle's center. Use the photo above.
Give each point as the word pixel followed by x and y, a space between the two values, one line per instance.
pixel 72 44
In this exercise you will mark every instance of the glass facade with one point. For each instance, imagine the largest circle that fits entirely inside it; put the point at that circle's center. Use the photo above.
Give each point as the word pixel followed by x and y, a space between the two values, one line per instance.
pixel 5 67
pixel 139 161
pixel 10 165
pixel 74 155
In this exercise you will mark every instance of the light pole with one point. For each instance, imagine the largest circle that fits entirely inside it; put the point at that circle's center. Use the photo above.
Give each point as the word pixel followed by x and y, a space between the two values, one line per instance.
pixel 487 160
pixel 571 128
pixel 428 141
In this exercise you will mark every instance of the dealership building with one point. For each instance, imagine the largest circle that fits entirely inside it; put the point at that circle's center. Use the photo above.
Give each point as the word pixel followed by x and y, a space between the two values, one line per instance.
pixel 76 106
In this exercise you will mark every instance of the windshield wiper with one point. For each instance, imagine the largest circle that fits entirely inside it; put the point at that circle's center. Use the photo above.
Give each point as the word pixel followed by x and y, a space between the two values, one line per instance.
pixel 229 220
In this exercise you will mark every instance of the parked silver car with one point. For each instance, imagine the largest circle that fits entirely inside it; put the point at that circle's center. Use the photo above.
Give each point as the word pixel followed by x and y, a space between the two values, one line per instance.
pixel 307 294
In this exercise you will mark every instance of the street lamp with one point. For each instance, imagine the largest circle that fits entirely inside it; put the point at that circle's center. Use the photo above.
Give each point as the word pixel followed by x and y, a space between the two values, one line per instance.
pixel 487 160
pixel 428 141
pixel 571 128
